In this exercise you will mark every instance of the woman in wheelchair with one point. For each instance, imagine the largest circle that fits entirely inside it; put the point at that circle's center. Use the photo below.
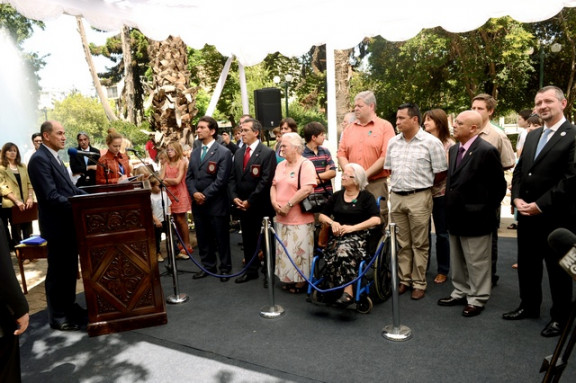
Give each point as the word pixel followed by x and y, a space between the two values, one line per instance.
pixel 350 212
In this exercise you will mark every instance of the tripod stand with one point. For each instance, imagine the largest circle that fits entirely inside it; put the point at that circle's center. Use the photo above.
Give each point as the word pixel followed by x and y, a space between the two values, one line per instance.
pixel 555 364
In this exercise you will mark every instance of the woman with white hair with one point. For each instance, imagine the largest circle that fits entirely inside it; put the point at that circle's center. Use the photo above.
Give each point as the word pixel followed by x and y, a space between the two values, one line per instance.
pixel 293 181
pixel 350 212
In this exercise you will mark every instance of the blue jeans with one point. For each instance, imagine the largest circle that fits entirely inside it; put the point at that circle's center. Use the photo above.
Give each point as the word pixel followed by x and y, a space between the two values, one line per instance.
pixel 442 237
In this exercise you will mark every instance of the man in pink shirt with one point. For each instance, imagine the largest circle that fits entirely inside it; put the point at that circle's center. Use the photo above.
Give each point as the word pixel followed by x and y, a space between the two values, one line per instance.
pixel 364 142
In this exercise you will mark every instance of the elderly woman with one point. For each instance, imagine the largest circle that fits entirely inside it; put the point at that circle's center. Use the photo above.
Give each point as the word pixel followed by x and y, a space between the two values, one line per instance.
pixel 16 190
pixel 350 212
pixel 294 227
pixel 113 166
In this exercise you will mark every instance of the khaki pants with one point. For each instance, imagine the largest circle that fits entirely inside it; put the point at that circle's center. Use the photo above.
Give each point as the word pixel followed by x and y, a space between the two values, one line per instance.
pixel 411 214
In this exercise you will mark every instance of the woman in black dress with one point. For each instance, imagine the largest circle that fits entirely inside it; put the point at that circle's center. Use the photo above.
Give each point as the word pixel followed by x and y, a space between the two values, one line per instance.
pixel 350 212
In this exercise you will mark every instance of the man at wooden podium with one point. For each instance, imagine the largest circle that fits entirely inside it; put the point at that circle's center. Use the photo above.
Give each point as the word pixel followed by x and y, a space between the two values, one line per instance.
pixel 53 186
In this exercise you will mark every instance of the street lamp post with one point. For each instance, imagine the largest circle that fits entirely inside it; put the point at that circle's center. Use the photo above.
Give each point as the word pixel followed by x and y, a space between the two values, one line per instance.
pixel 288 79
pixel 554 48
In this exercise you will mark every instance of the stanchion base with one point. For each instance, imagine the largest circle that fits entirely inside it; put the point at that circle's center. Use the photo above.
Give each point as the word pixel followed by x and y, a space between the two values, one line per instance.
pixel 397 334
pixel 272 312
pixel 176 299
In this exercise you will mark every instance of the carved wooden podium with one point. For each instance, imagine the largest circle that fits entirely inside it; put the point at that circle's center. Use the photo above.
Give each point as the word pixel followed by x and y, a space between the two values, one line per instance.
pixel 118 258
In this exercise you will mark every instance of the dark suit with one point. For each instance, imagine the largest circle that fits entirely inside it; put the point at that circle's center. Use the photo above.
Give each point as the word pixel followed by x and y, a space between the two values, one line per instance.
pixel 253 185
pixel 13 305
pixel 211 219
pixel 547 180
pixel 53 186
pixel 78 166
pixel 474 190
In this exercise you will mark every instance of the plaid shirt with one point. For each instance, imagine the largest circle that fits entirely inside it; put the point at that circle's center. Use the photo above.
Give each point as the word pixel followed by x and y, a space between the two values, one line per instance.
pixel 414 163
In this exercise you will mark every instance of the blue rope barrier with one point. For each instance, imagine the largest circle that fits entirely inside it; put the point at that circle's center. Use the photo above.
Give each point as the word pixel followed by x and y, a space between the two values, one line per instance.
pixel 201 267
pixel 360 275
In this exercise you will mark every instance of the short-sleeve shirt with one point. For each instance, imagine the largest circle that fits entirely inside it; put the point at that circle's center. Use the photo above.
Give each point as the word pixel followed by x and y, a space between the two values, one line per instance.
pixel 322 162
pixel 351 213
pixel 500 140
pixel 365 144
pixel 286 183
pixel 156 200
pixel 414 163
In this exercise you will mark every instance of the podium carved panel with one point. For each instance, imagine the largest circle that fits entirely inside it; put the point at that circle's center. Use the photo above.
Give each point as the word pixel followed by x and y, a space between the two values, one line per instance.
pixel 117 254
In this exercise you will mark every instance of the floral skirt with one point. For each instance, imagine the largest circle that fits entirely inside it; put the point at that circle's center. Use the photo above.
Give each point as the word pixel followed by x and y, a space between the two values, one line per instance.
pixel 299 242
pixel 343 256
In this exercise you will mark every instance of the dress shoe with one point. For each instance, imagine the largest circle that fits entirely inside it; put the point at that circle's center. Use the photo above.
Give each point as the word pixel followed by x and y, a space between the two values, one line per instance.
pixel 520 313
pixel 64 325
pixel 402 288
pixel 552 329
pixel 201 274
pixel 472 311
pixel 78 315
pixel 451 301
pixel 245 278
pixel 417 294
pixel 224 279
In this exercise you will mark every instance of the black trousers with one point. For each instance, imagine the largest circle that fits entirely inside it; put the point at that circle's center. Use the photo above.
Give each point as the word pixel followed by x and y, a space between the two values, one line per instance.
pixel 533 251
pixel 213 233
pixel 61 276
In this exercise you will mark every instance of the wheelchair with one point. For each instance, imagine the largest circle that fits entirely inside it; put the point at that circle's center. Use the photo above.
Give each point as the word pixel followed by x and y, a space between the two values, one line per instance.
pixel 374 287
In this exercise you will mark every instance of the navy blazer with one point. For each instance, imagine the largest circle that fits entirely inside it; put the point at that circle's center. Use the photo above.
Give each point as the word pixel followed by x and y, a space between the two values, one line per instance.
pixel 78 166
pixel 210 177
pixel 549 180
pixel 52 186
pixel 474 189
pixel 253 183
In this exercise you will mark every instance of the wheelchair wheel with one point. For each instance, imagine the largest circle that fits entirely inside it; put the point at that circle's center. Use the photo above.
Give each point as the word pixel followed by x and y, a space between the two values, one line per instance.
pixel 382 273
pixel 364 306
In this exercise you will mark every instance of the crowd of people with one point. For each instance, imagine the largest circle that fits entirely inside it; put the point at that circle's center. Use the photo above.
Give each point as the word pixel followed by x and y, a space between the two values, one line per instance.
pixel 423 173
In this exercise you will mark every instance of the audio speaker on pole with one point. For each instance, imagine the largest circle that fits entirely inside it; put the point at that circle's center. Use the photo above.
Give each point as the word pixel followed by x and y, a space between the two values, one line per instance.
pixel 268 107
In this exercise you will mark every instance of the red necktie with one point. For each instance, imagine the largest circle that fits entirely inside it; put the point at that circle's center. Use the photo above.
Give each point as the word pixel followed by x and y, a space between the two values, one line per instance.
pixel 246 157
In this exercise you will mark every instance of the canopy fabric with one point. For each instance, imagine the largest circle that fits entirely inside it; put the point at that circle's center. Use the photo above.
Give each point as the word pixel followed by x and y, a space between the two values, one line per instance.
pixel 251 29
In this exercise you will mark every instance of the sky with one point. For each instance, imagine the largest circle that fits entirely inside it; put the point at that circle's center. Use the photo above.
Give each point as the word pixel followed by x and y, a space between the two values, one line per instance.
pixel 66 68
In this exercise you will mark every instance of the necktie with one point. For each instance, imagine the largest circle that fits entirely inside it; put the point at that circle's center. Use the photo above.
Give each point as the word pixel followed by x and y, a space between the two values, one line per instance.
pixel 543 141
pixel 460 155
pixel 203 154
pixel 246 157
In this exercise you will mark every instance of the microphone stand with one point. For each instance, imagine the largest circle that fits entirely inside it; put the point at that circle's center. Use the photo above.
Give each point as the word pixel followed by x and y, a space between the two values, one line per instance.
pixel 104 166
pixel 177 297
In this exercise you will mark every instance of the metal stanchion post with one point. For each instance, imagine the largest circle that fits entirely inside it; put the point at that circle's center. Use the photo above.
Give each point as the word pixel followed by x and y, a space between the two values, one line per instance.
pixel 178 297
pixel 395 332
pixel 272 311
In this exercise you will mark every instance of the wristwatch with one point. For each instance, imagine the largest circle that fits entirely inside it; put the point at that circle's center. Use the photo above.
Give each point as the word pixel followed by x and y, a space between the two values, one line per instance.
pixel 290 204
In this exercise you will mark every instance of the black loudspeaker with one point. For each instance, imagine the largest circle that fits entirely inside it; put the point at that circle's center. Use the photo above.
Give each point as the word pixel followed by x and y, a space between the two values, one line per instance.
pixel 268 107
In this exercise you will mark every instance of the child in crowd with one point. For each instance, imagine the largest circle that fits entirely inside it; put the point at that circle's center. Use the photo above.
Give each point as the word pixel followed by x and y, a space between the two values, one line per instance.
pixel 160 225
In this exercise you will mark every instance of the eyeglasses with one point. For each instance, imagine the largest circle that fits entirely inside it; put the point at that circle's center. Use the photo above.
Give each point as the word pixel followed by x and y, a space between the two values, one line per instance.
pixel 344 176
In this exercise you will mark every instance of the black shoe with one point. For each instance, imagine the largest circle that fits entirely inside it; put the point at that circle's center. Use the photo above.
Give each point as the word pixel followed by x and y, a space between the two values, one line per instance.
pixel 552 329
pixel 245 278
pixel 201 274
pixel 78 315
pixel 520 313
pixel 224 279
pixel 450 301
pixel 64 325
pixel 472 311
pixel 345 300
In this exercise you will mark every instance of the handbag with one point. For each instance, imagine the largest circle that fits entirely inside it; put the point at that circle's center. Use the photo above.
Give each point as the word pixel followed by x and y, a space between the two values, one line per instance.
pixel 314 202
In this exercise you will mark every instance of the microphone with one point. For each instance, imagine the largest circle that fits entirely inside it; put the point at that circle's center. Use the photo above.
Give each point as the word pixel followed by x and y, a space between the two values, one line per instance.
pixel 132 150
pixel 74 151
pixel 563 241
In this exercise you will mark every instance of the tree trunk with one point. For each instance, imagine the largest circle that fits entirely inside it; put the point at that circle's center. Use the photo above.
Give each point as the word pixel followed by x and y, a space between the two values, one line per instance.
pixel 343 71
pixel 129 92
pixel 173 100
pixel 103 99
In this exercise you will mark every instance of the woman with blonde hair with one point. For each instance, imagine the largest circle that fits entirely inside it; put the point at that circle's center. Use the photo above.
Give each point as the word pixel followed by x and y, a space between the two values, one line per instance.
pixel 173 173
pixel 113 166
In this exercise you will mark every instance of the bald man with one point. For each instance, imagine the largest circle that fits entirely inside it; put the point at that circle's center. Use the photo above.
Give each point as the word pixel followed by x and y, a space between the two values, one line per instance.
pixel 475 185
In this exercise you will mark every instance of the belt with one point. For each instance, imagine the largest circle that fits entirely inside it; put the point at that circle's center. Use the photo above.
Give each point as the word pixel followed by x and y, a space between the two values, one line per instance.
pixel 405 193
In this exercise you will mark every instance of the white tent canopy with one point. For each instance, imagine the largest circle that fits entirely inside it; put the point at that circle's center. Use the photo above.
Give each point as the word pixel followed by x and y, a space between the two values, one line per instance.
pixel 251 29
